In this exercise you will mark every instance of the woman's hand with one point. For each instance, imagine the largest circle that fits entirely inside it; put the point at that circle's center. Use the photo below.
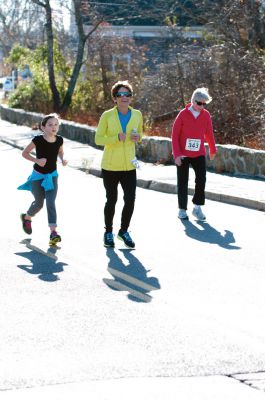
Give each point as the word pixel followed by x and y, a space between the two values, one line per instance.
pixel 135 137
pixel 64 162
pixel 122 137
pixel 212 156
pixel 178 161
pixel 41 161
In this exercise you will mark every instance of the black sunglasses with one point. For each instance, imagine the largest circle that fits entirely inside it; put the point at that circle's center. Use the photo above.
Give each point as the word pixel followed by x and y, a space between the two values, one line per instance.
pixel 121 94
pixel 200 103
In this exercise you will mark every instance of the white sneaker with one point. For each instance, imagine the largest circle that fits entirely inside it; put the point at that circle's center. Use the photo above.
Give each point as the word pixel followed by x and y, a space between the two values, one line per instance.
pixel 182 214
pixel 198 214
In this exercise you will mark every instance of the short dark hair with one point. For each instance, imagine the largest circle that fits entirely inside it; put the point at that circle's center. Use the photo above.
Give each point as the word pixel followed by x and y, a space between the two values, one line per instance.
pixel 116 87
pixel 46 118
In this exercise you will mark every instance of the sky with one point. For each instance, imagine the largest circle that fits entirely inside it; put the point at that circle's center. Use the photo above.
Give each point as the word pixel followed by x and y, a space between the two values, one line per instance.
pixel 62 11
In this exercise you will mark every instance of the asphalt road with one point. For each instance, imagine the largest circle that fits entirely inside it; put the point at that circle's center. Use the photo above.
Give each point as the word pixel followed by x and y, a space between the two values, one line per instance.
pixel 189 301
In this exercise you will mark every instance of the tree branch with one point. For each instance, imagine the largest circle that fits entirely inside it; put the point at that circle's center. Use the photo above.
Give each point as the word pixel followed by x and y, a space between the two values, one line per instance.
pixel 39 3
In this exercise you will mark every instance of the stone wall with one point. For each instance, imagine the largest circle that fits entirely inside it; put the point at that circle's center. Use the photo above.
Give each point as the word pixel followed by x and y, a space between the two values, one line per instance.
pixel 239 160
pixel 230 159
pixel 71 130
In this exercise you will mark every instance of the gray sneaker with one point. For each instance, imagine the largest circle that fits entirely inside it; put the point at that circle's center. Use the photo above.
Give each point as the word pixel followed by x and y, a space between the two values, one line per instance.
pixel 182 214
pixel 198 214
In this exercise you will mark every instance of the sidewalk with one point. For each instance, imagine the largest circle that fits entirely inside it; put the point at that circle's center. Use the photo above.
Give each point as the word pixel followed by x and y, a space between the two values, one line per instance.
pixel 242 191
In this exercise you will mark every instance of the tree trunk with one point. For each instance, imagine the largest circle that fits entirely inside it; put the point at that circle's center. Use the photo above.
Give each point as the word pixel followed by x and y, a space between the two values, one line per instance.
pixel 82 38
pixel 58 105
pixel 49 31
pixel 78 64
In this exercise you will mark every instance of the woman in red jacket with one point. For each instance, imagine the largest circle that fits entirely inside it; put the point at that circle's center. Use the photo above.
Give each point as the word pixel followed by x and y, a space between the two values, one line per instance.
pixel 192 127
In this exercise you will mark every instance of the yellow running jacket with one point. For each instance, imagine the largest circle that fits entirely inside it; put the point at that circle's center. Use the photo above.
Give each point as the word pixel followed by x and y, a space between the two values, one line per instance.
pixel 117 155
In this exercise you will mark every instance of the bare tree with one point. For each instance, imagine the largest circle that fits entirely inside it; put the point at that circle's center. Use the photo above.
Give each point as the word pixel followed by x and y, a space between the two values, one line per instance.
pixel 62 105
pixel 20 22
pixel 240 21
pixel 115 58
pixel 228 60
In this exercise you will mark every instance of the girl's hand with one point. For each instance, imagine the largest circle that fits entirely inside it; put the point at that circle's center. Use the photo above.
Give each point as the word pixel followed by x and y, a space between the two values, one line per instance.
pixel 41 161
pixel 64 162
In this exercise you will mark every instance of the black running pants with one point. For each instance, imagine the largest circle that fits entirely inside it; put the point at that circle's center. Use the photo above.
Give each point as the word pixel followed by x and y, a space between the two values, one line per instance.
pixel 111 180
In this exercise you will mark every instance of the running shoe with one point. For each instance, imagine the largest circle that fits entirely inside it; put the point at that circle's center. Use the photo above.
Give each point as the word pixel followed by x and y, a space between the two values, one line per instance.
pixel 182 214
pixel 126 238
pixel 109 239
pixel 54 238
pixel 198 214
pixel 26 224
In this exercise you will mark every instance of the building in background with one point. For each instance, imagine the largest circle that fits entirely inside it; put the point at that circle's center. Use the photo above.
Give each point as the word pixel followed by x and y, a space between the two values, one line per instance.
pixel 150 24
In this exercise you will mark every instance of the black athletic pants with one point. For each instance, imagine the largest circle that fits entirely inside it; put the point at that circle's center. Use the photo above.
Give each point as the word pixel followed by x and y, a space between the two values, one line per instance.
pixel 199 166
pixel 111 179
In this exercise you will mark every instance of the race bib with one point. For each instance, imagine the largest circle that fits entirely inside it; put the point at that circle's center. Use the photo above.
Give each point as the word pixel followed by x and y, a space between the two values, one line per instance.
pixel 193 144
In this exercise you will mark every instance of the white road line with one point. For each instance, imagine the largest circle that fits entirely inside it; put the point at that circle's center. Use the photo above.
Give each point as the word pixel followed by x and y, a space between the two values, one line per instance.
pixel 121 286
pixel 116 285
pixel 131 279
pixel 45 253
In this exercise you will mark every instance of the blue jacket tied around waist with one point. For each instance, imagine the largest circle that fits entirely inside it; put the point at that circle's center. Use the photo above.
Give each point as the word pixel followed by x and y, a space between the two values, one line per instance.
pixel 47 182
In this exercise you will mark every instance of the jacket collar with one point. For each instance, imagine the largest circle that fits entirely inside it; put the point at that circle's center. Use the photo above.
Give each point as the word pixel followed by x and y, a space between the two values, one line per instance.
pixel 187 109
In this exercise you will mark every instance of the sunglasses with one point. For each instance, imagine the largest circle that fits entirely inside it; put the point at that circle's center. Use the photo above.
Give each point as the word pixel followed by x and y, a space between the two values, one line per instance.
pixel 200 103
pixel 125 94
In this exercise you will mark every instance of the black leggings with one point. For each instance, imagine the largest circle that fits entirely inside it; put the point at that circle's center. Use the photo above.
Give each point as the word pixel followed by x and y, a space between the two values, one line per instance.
pixel 111 179
pixel 199 166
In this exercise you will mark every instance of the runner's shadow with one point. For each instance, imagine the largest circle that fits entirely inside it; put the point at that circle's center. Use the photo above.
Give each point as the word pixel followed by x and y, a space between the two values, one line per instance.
pixel 43 263
pixel 131 277
pixel 209 234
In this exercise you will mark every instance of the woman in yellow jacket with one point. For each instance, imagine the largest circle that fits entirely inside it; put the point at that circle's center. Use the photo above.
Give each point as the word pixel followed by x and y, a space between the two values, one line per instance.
pixel 118 130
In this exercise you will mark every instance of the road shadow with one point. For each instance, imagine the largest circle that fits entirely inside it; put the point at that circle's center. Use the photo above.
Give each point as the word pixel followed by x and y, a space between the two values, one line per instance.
pixel 43 263
pixel 131 277
pixel 206 233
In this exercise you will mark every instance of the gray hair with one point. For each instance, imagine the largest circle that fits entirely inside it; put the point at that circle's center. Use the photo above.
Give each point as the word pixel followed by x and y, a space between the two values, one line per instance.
pixel 201 94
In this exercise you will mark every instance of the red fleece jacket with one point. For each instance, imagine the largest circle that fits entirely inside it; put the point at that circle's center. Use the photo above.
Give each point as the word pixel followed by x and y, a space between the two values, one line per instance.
pixel 185 127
